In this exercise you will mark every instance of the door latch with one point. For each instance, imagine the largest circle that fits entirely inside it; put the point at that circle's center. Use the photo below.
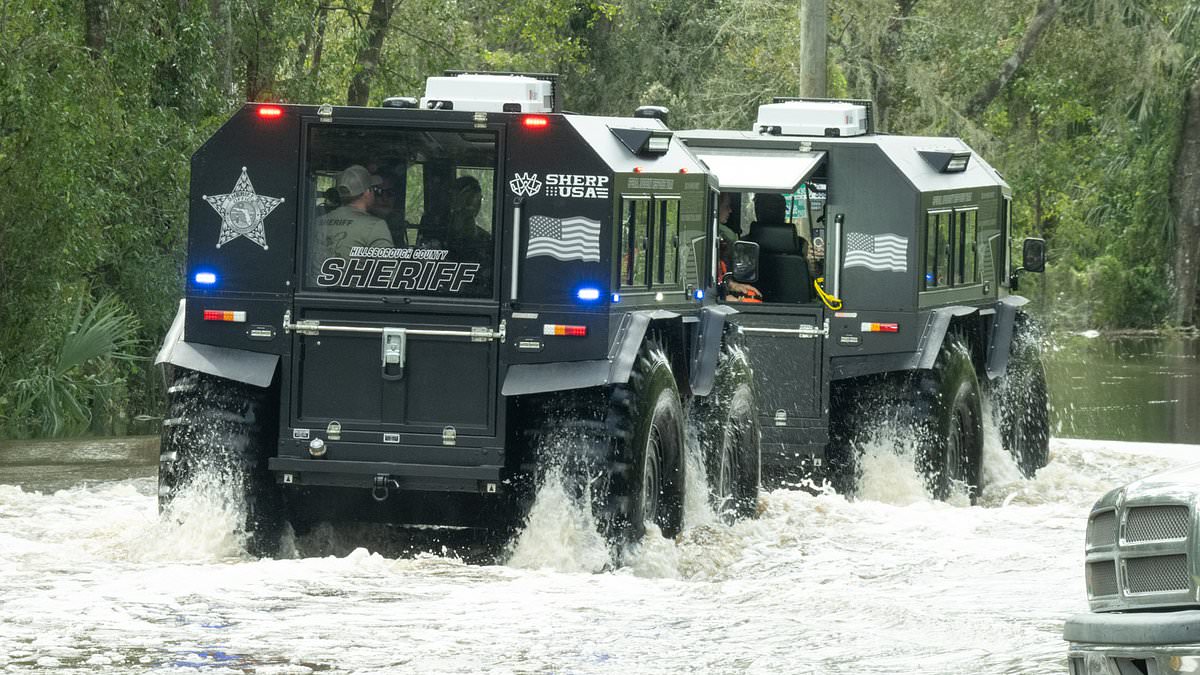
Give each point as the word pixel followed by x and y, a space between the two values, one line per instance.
pixel 394 353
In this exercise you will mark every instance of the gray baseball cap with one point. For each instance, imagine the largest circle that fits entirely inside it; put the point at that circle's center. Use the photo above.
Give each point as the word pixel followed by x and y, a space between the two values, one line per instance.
pixel 355 180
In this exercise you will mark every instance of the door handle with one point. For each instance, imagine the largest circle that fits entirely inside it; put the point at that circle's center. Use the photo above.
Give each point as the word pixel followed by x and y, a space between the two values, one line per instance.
pixel 394 352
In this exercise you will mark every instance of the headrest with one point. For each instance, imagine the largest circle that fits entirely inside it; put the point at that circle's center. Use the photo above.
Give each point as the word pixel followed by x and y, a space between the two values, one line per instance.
pixel 774 238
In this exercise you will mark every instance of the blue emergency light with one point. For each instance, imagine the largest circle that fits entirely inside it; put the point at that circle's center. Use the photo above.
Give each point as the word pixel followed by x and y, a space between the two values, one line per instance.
pixel 588 294
pixel 205 278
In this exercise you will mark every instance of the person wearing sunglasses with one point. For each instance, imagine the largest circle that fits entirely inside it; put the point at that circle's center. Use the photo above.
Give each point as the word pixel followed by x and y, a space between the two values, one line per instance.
pixel 385 207
pixel 353 224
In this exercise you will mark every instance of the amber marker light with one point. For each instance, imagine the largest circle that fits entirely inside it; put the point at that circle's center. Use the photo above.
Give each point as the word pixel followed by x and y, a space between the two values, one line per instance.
pixel 880 327
pixel 219 315
pixel 561 329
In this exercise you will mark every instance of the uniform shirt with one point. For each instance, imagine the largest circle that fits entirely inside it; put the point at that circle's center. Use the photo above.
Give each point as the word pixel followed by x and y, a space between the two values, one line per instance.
pixel 346 227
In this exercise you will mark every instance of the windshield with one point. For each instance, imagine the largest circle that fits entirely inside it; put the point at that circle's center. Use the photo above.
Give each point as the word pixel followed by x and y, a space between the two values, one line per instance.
pixel 401 211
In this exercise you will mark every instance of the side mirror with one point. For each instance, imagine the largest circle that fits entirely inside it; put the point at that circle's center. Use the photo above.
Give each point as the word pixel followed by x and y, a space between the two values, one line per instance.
pixel 1033 255
pixel 745 262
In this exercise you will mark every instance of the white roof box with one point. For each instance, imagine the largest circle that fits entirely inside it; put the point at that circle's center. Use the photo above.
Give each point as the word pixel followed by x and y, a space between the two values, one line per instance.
pixel 489 93
pixel 812 118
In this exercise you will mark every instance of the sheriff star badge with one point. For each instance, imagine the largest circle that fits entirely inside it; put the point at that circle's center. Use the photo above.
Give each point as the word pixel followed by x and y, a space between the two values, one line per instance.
pixel 242 212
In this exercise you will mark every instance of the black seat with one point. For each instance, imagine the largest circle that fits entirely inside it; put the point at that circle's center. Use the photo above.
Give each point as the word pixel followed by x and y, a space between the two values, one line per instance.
pixel 783 271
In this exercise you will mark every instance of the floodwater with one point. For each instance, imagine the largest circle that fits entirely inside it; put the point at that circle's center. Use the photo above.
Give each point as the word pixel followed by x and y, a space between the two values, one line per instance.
pixel 92 581
pixel 1125 388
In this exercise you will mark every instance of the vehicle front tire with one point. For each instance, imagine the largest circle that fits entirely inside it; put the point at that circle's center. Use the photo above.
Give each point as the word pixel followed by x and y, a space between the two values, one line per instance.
pixel 1023 407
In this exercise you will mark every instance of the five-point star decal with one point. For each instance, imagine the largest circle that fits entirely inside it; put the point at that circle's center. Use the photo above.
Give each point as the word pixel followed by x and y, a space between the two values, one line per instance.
pixel 242 212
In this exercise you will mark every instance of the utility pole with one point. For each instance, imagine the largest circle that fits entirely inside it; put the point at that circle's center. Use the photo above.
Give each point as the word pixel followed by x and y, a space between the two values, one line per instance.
pixel 813 46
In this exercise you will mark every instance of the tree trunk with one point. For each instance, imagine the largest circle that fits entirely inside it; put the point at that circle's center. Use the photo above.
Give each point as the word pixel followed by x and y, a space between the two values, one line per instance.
pixel 885 84
pixel 368 57
pixel 314 71
pixel 260 64
pixel 95 15
pixel 1045 14
pixel 1185 203
pixel 814 37
pixel 223 18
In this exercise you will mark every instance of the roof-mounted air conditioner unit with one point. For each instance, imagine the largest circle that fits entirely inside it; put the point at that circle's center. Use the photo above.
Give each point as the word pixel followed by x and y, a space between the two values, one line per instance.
pixel 489 93
pixel 813 118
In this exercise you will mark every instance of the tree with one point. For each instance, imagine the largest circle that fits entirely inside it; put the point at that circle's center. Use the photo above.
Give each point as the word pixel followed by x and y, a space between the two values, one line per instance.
pixel 1185 202
pixel 813 40
pixel 1045 13
pixel 367 60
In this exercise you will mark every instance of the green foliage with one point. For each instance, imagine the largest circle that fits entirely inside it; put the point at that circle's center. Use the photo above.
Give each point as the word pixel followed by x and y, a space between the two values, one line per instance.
pixel 94 145
pixel 60 394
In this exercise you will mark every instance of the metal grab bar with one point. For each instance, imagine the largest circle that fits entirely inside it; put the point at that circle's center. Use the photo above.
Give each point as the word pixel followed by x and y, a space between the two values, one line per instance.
pixel 315 327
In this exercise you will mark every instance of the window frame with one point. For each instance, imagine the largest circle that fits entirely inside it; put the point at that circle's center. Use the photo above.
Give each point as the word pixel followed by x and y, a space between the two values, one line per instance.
pixel 954 258
pixel 650 257
pixel 308 193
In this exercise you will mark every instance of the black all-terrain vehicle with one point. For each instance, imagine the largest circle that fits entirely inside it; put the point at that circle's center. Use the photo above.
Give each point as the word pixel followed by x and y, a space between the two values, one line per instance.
pixel 406 314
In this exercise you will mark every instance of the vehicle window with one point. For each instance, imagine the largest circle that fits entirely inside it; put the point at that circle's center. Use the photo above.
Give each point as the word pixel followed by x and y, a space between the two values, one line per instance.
pixel 404 211
pixel 937 249
pixel 635 225
pixel 967 260
pixel 666 242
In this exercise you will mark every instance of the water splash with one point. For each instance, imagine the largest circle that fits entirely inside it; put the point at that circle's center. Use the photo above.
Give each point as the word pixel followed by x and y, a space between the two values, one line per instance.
pixel 560 533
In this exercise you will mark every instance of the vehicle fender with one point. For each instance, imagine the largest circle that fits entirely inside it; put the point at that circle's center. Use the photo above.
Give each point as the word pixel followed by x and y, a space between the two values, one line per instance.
pixel 1140 628
pixel 537 378
pixel 239 365
pixel 935 333
pixel 710 333
pixel 628 341
pixel 1003 324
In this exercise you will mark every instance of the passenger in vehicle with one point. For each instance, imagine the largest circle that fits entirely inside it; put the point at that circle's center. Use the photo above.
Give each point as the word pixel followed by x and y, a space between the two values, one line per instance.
pixel 734 291
pixel 352 224
pixel 462 235
pixel 385 208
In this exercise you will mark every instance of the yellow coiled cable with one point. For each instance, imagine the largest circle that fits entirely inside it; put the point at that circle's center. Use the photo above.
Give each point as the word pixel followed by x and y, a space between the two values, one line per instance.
pixel 831 302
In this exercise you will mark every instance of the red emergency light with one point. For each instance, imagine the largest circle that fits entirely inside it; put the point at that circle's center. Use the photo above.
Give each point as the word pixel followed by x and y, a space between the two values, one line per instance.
pixel 535 122
pixel 270 111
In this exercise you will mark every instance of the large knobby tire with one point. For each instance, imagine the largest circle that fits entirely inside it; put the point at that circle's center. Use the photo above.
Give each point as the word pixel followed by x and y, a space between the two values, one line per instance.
pixel 949 422
pixel 1022 406
pixel 622 448
pixel 221 431
pixel 727 423
pixel 847 414
pixel 645 420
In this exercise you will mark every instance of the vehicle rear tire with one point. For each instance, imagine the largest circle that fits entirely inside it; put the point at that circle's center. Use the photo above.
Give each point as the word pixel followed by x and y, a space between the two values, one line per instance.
pixel 220 430
pixel 623 446
pixel 949 422
pixel 730 438
pixel 645 471
pixel 1022 406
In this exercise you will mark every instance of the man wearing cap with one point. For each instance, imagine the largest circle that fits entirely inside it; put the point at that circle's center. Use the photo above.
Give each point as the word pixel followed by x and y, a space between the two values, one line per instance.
pixel 351 224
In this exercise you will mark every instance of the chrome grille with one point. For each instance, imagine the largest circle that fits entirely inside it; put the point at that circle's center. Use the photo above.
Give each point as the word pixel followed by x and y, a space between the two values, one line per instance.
pixel 1102 529
pixel 1156 523
pixel 1102 578
pixel 1156 574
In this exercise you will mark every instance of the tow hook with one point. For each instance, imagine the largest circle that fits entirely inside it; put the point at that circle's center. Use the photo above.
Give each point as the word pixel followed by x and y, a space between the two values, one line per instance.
pixel 382 487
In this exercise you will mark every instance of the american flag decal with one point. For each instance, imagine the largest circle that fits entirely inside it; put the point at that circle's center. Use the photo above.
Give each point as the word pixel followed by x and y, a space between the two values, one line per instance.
pixel 573 238
pixel 878 252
